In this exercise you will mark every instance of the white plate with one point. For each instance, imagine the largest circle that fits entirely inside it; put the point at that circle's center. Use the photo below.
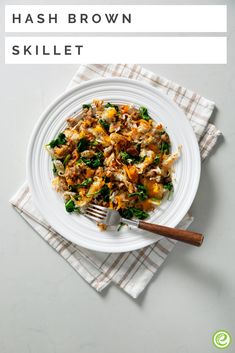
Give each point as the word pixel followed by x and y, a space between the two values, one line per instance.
pixel 77 228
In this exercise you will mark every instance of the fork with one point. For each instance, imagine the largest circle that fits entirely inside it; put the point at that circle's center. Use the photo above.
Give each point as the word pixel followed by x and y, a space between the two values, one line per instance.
pixel 111 217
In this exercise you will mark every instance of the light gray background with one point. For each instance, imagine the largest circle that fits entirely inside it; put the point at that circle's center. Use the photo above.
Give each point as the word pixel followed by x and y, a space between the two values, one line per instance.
pixel 46 307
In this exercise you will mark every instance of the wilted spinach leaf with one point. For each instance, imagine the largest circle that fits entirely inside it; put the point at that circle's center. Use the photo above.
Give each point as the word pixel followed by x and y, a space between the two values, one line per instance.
pixel 60 140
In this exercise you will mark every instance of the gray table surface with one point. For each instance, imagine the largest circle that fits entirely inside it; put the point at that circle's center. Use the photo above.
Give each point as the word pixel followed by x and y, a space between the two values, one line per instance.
pixel 46 307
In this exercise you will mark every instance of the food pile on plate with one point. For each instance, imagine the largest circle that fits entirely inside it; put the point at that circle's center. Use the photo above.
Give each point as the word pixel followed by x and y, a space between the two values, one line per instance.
pixel 115 156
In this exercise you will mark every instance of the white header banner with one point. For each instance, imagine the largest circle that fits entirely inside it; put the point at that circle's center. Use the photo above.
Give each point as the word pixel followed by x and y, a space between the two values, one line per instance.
pixel 116 18
pixel 130 50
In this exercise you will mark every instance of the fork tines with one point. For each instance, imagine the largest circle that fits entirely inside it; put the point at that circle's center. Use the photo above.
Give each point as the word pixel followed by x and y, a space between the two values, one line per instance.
pixel 95 212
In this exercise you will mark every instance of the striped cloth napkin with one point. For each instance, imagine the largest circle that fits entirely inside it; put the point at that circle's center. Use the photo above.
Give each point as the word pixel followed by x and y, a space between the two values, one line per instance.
pixel 130 271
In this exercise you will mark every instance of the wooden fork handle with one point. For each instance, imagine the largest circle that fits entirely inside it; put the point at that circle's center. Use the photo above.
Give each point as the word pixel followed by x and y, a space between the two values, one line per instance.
pixel 185 236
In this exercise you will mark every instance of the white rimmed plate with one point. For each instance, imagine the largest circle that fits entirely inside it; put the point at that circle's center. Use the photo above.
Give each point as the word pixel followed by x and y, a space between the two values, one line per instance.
pixel 77 228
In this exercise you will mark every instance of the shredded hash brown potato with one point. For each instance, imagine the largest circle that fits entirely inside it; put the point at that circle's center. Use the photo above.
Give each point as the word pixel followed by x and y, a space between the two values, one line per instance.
pixel 113 156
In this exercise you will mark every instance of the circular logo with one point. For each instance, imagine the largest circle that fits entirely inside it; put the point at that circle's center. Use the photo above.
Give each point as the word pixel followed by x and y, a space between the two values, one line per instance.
pixel 221 339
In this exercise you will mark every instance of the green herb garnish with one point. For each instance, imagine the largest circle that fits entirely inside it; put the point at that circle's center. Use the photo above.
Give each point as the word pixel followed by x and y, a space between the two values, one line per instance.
pixel 108 105
pixel 141 192
pixel 85 182
pixel 104 124
pixel 131 212
pixel 168 186
pixel 67 158
pixel 82 144
pixel 71 207
pixel 121 224
pixel 165 147
pixel 126 213
pixel 94 162
pixel 126 157
pixel 86 106
pixel 105 193
pixel 60 140
pixel 157 160
pixel 144 113
pixel 54 169
pixel 129 159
